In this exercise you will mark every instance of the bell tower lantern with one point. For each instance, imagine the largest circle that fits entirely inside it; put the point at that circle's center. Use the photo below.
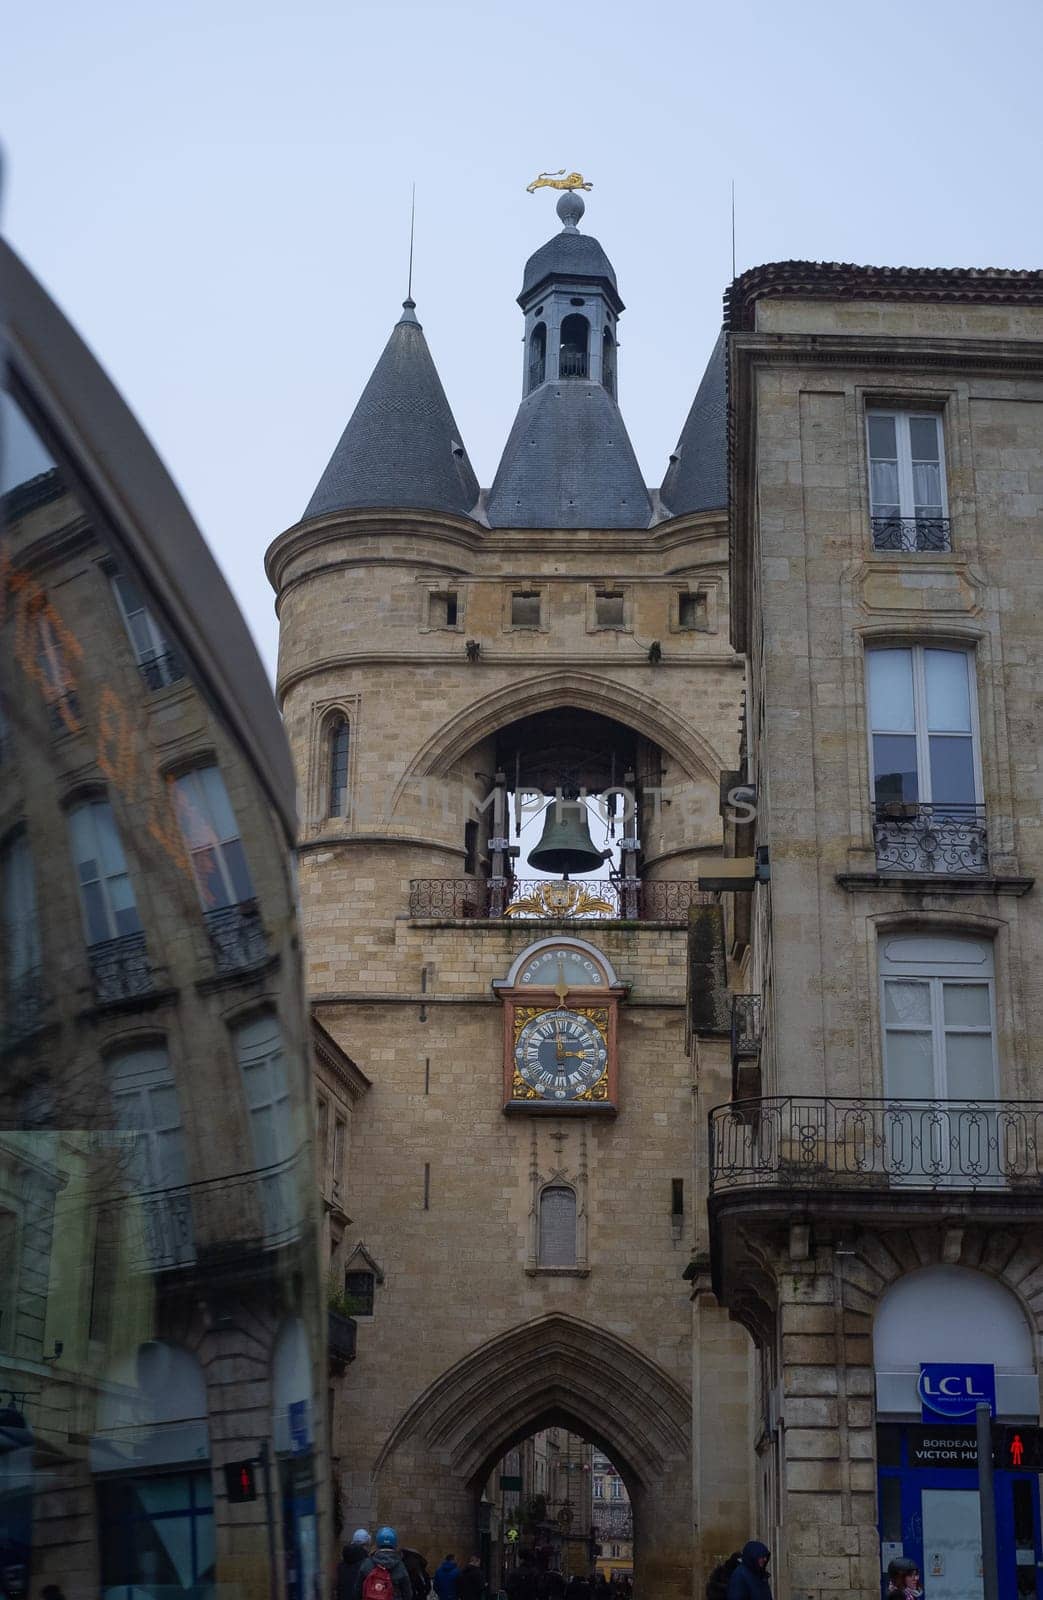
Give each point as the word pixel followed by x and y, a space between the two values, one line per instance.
pixel 571 304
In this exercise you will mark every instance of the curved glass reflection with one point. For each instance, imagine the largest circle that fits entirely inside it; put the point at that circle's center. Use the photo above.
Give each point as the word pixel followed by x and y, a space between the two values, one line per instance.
pixel 161 1334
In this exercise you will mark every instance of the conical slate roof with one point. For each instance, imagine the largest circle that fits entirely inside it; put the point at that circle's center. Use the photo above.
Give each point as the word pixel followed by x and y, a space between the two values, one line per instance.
pixel 402 446
pixel 568 463
pixel 697 477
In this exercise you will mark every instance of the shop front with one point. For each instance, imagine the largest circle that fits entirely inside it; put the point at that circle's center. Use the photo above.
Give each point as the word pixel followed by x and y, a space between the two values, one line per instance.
pixel 947 1339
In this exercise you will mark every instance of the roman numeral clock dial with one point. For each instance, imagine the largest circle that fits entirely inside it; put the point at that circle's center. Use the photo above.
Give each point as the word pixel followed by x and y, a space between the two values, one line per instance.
pixel 561 1054
pixel 560 1008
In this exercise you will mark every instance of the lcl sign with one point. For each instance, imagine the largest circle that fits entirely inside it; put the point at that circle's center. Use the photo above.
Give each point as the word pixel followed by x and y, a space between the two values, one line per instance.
pixel 954 1390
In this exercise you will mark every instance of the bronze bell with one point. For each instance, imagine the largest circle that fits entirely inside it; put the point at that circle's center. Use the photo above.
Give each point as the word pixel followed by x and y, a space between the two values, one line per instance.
pixel 566 846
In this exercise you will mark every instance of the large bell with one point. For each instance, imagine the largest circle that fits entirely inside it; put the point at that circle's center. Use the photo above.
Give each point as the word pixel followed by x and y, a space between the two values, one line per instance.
pixel 566 846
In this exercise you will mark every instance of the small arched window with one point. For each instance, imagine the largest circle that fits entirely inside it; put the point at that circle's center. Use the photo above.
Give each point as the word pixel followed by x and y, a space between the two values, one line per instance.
pixel 338 736
pixel 558 1226
pixel 537 356
pixel 608 362
pixel 574 356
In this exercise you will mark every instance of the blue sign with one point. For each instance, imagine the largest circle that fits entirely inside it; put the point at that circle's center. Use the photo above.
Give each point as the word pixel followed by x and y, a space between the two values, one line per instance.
pixel 300 1438
pixel 954 1390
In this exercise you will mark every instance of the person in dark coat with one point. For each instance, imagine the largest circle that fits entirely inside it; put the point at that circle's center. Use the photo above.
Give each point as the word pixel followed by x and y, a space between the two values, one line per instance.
pixel 446 1576
pixel 416 1566
pixel 749 1581
pixel 521 1583
pixel 351 1558
pixel 470 1585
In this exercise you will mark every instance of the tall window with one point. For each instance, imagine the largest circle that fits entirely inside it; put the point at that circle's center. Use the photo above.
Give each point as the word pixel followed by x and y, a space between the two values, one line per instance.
pixel 907 498
pixel 937 1005
pixel 322 1138
pixel 340 1137
pixel 922 720
pixel 260 1053
pixel 558 1227
pixel 59 690
pixel 158 663
pixel 608 362
pixel 338 736
pixel 145 1103
pixel 360 1288
pixel 212 836
pixel 106 893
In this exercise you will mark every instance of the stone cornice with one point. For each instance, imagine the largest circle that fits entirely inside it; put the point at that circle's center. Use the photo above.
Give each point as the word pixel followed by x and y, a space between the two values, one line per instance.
pixel 543 663
pixel 837 280
pixel 505 546
pixel 333 1058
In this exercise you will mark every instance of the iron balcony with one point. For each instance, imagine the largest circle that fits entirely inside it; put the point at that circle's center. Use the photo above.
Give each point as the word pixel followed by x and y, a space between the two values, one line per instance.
pixel 912 534
pixel 943 838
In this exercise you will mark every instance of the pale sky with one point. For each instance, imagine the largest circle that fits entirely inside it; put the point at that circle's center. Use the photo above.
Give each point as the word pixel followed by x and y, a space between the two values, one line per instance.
pixel 217 194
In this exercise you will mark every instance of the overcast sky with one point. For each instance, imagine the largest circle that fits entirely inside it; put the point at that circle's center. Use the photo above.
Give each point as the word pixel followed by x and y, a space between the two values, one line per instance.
pixel 217 193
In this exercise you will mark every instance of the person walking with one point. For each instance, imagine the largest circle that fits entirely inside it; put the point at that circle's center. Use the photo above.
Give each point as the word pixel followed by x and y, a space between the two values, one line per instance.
pixel 383 1566
pixel 521 1583
pixel 351 1558
pixel 416 1566
pixel 903 1579
pixel 749 1581
pixel 447 1575
pixel 470 1584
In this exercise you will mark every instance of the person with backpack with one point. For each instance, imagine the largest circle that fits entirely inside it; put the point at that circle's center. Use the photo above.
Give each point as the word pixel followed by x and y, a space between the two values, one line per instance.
pixel 351 1558
pixel 383 1575
pixel 720 1577
pixel 749 1581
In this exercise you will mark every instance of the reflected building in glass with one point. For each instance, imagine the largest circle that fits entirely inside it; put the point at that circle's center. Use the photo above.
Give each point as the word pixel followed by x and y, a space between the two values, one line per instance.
pixel 161 1310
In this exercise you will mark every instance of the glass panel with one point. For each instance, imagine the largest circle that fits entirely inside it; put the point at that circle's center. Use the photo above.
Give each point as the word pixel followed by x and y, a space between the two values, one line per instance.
pixel 894 763
pixel 103 1263
pixel 235 865
pixel 883 485
pixel 966 1004
pixel 890 690
pixel 910 1065
pixel 948 691
pixel 882 441
pixel 968 1066
pixel 192 812
pixel 952 771
pixel 927 490
pixel 213 890
pixel 923 438
pixel 908 1003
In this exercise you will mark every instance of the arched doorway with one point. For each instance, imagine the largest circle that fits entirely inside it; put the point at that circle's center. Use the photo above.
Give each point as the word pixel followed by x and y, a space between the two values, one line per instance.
pixel 553 1372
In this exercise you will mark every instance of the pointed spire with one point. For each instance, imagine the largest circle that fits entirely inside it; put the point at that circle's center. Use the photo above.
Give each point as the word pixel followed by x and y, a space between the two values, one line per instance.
pixel 568 462
pixel 697 477
pixel 401 446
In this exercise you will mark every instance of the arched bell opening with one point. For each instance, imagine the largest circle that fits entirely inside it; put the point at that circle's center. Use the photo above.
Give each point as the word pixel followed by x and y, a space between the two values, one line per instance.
pixel 574 349
pixel 537 356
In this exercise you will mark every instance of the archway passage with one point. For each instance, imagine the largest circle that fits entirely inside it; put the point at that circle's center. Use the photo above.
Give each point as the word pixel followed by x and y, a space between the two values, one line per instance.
pixel 556 1371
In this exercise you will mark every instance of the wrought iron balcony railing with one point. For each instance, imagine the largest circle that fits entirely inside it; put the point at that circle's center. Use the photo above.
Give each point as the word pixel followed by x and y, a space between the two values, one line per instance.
pixel 159 672
pixel 555 899
pixel 825 1143
pixel 237 936
pixel 120 968
pixel 912 533
pixel 573 364
pixel 930 838
pixel 746 1027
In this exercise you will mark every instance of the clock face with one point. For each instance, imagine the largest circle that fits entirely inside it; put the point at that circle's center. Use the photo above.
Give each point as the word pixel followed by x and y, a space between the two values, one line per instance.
pixel 560 1054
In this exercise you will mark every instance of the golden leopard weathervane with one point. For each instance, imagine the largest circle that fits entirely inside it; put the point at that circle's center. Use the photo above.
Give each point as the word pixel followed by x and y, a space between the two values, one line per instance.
pixel 558 180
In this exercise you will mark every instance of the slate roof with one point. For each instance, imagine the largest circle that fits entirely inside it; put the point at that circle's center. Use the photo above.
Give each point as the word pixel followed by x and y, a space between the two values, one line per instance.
pixel 569 254
pixel 402 446
pixel 697 477
pixel 568 463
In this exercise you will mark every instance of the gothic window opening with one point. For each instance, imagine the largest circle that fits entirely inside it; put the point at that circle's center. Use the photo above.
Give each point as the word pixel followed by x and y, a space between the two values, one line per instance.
pixel 471 848
pixel 338 736
pixel 443 609
pixel 558 1215
pixel 360 1289
pixel 525 608
pixel 537 355
pixel 693 611
pixel 574 352
pixel 608 608
pixel 608 362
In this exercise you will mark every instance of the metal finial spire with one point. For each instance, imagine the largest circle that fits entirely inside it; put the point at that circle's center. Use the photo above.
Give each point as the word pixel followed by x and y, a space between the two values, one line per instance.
pixel 412 219
pixel 733 227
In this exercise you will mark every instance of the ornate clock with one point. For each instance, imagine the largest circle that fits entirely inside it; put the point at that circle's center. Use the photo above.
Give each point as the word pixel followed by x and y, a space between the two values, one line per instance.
pixel 560 1003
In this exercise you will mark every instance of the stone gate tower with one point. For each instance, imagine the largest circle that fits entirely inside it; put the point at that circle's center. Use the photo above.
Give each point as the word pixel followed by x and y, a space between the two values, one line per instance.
pixel 526 1173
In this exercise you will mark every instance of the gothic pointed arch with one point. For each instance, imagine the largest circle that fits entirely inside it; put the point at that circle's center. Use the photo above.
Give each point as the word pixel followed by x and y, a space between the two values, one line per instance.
pixel 559 1370
pixel 586 690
